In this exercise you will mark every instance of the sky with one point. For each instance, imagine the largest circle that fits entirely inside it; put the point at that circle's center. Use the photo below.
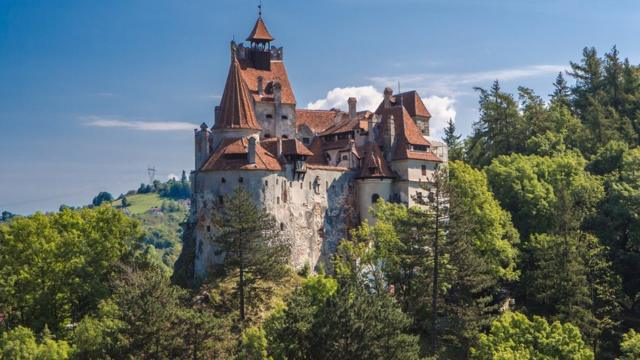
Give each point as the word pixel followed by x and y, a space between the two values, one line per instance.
pixel 93 93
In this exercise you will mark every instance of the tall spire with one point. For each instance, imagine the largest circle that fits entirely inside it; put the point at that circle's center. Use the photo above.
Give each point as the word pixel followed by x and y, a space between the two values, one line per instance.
pixel 260 34
pixel 236 107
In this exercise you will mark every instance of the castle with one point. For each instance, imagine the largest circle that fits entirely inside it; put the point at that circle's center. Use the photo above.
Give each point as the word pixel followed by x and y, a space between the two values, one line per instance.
pixel 316 171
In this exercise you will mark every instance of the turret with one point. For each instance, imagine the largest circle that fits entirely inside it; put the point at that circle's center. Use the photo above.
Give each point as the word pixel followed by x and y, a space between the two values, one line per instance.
pixel 202 145
pixel 388 97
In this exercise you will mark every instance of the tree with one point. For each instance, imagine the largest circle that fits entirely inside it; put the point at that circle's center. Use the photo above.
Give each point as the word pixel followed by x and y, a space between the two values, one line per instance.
pixel 453 141
pixel 630 346
pixel 102 197
pixel 253 248
pixel 125 202
pixel 513 336
pixel 55 268
pixel 254 345
pixel 21 343
pixel 6 216
pixel 288 330
pixel 561 92
pixel 545 194
pixel 500 130
pixel 357 324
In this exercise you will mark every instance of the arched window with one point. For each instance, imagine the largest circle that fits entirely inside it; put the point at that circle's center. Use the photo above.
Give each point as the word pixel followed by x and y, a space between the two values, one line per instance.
pixel 223 180
pixel 374 198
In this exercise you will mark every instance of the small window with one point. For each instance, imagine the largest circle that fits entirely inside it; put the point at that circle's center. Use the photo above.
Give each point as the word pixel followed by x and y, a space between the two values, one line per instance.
pixel 300 184
pixel 285 136
pixel 374 198
pixel 240 179
pixel 310 185
pixel 220 199
pixel 223 180
pixel 345 157
pixel 281 226
pixel 284 117
pixel 266 183
pixel 305 140
pixel 424 169
pixel 267 136
pixel 269 116
pixel 278 200
pixel 277 181
pixel 208 228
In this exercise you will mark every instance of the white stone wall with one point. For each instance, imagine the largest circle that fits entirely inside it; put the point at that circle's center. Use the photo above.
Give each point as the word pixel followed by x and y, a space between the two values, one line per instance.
pixel 366 190
pixel 312 211
pixel 276 125
pixel 412 169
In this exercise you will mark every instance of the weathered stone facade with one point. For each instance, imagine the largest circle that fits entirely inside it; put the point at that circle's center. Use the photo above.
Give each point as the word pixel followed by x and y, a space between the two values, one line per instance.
pixel 316 172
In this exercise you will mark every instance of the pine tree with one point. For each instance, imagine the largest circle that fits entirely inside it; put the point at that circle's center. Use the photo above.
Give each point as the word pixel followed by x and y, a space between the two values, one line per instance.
pixel 561 91
pixel 253 248
pixel 453 141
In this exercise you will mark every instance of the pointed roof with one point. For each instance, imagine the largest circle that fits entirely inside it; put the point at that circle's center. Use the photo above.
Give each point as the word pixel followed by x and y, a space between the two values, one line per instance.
pixel 232 155
pixel 236 106
pixel 260 32
pixel 373 164
pixel 411 101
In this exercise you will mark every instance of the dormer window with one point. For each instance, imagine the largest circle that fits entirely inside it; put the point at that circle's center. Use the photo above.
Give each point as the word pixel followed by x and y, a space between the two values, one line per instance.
pixel 305 140
pixel 284 117
pixel 269 116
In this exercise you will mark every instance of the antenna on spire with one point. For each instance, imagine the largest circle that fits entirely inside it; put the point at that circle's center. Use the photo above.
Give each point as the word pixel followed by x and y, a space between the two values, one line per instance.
pixel 399 92
pixel 260 9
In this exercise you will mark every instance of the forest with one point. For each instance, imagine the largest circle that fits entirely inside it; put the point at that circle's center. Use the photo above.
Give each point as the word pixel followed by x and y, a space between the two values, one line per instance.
pixel 528 247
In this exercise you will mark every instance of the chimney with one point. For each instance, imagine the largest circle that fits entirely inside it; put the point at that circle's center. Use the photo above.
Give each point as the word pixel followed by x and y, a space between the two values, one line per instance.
pixel 277 92
pixel 260 86
pixel 251 154
pixel 202 145
pixel 388 95
pixel 390 134
pixel 279 147
pixel 216 115
pixel 352 107
pixel 371 125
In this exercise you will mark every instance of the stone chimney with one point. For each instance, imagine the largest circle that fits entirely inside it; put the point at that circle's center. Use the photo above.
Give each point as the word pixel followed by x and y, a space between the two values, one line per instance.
pixel 390 134
pixel 260 85
pixel 202 145
pixel 251 153
pixel 279 147
pixel 352 107
pixel 371 127
pixel 388 97
pixel 277 92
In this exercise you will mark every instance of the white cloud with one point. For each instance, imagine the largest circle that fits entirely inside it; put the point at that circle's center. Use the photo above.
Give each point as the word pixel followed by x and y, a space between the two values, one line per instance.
pixel 99 121
pixel 456 84
pixel 368 98
pixel 442 109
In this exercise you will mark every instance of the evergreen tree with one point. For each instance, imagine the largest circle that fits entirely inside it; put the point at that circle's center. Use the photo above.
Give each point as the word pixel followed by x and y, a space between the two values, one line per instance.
pixel 561 92
pixel 252 246
pixel 453 141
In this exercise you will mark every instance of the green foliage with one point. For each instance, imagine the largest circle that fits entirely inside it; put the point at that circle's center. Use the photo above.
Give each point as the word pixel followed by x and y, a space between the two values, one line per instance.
pixel 20 343
pixel 254 345
pixel 55 268
pixel 513 336
pixel 545 194
pixel 477 218
pixel 630 346
pixel 102 197
pixel 453 141
pixel 254 250
pixel 125 202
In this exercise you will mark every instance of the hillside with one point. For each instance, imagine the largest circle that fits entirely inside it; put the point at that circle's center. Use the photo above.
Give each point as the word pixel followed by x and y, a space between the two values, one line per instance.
pixel 160 218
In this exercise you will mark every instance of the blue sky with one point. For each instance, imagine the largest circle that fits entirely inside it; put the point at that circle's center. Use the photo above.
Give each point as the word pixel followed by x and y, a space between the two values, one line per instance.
pixel 93 92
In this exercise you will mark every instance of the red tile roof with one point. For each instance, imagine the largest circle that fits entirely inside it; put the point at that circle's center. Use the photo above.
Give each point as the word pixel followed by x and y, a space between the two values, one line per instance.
pixel 316 120
pixel 374 164
pixel 232 155
pixel 345 124
pixel 236 107
pixel 405 127
pixel 277 72
pixel 260 32
pixel 289 147
pixel 411 101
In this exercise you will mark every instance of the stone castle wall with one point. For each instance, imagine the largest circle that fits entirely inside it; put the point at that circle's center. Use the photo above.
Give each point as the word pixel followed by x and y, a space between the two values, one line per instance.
pixel 313 212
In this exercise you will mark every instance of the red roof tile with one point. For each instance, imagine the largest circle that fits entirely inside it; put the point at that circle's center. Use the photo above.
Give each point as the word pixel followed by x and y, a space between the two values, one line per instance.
pixel 405 127
pixel 232 155
pixel 289 147
pixel 236 107
pixel 374 164
pixel 260 32
pixel 345 124
pixel 411 101
pixel 316 120
pixel 277 72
